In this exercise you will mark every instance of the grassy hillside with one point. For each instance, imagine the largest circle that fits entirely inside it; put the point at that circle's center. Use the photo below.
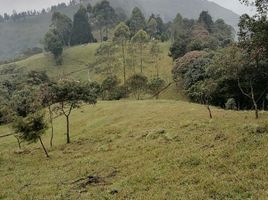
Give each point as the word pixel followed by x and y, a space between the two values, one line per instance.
pixel 79 63
pixel 142 150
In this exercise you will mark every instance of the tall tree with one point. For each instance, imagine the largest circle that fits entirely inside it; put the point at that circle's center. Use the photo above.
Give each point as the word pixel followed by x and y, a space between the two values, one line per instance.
pixel 155 51
pixel 121 37
pixel 136 21
pixel 105 17
pixel 81 32
pixel 177 27
pixel 152 27
pixel 140 39
pixel 63 25
pixel 54 44
pixel 206 20
pixel 106 57
pixel 253 38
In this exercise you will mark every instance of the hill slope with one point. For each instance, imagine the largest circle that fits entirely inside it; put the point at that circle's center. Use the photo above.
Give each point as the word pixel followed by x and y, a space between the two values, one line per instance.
pixel 143 150
pixel 18 36
pixel 79 63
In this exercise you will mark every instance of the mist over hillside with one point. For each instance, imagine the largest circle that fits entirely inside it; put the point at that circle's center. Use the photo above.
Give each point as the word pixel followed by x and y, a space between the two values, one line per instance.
pixel 20 35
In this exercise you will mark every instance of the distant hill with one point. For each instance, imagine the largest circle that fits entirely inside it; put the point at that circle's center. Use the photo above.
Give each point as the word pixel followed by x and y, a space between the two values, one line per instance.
pixel 18 36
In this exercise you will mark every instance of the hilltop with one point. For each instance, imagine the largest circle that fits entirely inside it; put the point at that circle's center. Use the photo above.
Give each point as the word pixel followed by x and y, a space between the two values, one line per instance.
pixel 20 35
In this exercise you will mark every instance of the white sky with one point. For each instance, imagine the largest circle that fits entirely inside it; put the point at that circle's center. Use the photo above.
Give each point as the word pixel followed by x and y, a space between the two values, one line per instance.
pixel 20 5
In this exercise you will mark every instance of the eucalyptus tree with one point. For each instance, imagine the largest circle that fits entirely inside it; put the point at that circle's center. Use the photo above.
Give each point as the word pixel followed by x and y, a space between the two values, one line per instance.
pixel 121 37
pixel 141 38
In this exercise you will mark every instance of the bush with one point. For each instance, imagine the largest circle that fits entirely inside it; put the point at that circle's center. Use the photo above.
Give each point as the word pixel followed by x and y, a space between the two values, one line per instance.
pixel 137 85
pixel 155 85
pixel 231 104
pixel 111 89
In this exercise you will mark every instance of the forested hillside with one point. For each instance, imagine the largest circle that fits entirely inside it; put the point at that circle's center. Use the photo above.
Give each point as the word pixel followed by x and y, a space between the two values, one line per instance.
pixel 17 36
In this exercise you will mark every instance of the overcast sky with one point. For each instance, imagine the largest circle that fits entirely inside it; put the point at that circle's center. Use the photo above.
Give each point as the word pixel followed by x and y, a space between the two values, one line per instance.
pixel 20 5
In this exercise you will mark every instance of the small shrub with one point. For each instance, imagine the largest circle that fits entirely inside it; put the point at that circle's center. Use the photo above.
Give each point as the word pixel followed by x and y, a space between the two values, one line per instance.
pixel 231 104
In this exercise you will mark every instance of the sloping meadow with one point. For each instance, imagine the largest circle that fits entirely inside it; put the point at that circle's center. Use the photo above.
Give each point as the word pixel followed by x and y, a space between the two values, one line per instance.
pixel 142 150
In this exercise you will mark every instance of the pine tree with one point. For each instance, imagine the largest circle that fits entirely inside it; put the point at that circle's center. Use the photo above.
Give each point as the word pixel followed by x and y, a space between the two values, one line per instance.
pixel 136 21
pixel 81 32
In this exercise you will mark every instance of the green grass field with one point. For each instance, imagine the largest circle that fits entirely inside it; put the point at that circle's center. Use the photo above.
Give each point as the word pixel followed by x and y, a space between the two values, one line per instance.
pixel 143 150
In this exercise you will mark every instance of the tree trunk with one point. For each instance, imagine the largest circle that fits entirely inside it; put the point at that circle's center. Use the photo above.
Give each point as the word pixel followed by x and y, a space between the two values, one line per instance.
pixel 124 62
pixel 141 59
pixel 52 126
pixel 43 147
pixel 254 102
pixel 19 142
pixel 107 33
pixel 68 129
pixel 251 96
pixel 101 37
pixel 256 109
pixel 209 111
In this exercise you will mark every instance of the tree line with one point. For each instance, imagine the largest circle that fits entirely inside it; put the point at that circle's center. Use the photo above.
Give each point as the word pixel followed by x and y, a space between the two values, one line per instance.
pixel 233 76
pixel 21 16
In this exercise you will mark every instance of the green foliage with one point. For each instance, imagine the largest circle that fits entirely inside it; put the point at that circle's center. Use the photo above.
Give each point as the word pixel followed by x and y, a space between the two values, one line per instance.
pixel 155 85
pixel 136 21
pixel 54 44
pixel 32 127
pixel 157 29
pixel 152 27
pixel 6 113
pixel 81 32
pixel 121 37
pixel 37 77
pixel 121 33
pixel 104 17
pixel 203 34
pixel 74 93
pixel 178 49
pixel 253 35
pixel 70 95
pixel 140 39
pixel 63 25
pixel 106 57
pixel 137 85
pixel 182 65
pixel 155 52
pixel 25 102
pixel 231 104
pixel 206 20
pixel 111 89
